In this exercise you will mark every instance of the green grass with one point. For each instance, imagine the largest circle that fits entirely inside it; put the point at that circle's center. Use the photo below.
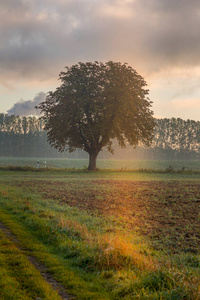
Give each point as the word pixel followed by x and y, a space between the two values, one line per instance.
pixel 98 233
pixel 101 163
pixel 18 277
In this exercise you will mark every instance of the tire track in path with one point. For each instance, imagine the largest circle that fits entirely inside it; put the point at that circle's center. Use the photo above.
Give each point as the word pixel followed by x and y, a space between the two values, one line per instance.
pixel 38 265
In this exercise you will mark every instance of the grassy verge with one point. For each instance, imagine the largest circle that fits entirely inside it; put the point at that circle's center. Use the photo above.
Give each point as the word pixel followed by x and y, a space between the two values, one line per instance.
pixel 18 277
pixel 94 252
pixel 167 170
pixel 49 255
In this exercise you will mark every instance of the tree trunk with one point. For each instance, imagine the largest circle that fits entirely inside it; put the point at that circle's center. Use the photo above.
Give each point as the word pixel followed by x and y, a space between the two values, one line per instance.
pixel 92 162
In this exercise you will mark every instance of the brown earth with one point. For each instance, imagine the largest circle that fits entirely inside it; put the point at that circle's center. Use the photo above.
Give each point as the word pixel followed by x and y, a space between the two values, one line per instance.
pixel 168 212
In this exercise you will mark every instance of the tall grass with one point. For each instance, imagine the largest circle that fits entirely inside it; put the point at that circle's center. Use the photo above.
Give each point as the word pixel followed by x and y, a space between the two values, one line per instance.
pixel 18 277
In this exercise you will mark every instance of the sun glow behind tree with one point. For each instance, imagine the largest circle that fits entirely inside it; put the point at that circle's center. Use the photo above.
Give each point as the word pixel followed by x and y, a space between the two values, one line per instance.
pixel 95 104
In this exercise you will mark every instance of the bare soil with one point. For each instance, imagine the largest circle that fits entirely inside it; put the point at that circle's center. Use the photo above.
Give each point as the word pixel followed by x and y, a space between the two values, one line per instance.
pixel 167 212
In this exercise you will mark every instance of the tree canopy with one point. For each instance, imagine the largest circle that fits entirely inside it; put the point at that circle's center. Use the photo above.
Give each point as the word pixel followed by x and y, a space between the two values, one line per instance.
pixel 95 104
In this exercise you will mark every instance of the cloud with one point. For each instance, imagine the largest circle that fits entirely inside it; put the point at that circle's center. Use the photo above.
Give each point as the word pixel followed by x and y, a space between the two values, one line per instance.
pixel 27 108
pixel 38 38
pixel 158 38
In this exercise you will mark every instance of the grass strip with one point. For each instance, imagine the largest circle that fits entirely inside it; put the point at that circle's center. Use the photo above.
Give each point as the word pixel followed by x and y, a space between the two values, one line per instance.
pixel 55 265
pixel 19 279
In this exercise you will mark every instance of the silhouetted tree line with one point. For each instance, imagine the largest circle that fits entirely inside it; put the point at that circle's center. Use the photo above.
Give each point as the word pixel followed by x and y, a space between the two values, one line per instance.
pixel 174 139
pixel 25 137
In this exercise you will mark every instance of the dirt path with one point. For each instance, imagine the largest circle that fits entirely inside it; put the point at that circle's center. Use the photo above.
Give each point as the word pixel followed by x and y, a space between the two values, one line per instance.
pixel 38 265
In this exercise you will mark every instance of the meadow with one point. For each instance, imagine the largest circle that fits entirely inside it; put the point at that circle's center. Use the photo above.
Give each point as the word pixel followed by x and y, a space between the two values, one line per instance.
pixel 109 164
pixel 105 235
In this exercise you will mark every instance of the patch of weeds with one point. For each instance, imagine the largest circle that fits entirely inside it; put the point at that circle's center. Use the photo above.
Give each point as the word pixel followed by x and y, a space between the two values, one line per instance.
pixel 156 281
pixel 178 293
pixel 85 262
pixel 188 260
pixel 154 286
pixel 192 261
pixel 169 169
pixel 107 274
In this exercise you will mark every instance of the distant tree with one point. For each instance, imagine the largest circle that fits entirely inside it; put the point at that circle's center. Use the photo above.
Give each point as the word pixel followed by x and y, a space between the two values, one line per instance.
pixel 95 104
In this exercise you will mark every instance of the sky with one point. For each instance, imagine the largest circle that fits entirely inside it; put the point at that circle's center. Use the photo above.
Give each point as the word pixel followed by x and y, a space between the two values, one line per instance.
pixel 160 39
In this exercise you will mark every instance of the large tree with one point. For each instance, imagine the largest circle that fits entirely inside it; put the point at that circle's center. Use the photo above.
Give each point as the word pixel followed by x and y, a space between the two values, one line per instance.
pixel 95 104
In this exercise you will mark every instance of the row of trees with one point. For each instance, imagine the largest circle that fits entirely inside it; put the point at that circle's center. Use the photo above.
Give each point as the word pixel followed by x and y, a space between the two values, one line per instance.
pixel 173 139
pixel 177 138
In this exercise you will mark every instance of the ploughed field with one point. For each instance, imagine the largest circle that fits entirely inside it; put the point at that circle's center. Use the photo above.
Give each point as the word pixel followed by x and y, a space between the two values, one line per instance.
pixel 168 212
pixel 133 235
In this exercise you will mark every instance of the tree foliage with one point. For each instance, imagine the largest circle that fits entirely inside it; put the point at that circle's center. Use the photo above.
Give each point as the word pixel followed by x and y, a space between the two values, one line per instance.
pixel 95 104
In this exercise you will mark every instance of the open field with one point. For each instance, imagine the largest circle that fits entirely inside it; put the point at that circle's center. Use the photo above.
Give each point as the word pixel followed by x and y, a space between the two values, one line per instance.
pixel 103 235
pixel 101 163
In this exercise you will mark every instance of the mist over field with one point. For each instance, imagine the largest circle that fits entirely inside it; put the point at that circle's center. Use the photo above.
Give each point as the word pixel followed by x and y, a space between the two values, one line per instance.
pixel 108 164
